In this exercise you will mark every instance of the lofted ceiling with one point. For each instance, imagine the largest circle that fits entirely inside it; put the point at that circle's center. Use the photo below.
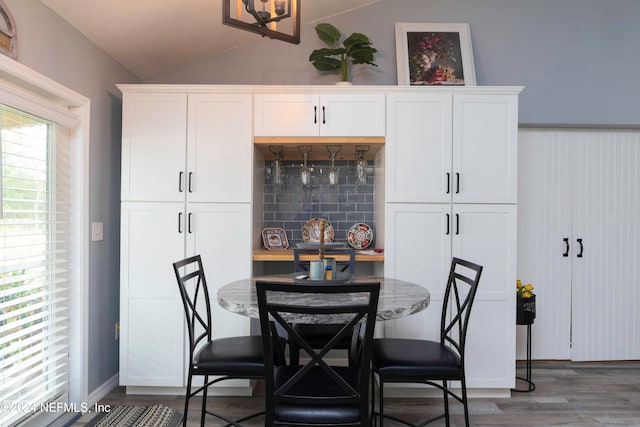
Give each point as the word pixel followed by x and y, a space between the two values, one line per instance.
pixel 149 37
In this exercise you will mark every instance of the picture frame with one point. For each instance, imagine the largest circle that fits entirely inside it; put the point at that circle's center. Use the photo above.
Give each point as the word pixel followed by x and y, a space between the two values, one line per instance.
pixel 434 54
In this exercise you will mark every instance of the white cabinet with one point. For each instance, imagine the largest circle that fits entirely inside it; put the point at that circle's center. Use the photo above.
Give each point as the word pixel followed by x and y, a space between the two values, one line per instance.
pixel 421 240
pixel 301 114
pixel 187 188
pixel 176 148
pixel 451 190
pixel 445 147
pixel 154 134
pixel 581 184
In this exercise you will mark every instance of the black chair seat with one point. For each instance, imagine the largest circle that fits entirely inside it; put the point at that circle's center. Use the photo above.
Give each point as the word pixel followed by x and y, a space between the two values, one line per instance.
pixel 237 356
pixel 398 358
pixel 315 384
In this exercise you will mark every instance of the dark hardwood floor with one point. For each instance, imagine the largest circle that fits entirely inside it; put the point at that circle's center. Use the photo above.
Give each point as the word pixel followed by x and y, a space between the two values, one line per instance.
pixel 584 394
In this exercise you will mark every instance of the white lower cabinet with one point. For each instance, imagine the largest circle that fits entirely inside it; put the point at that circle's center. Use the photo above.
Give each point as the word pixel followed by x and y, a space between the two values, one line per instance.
pixel 421 240
pixel 154 236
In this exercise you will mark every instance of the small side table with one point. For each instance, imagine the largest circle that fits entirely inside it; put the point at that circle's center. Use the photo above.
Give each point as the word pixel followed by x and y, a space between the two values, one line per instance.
pixel 530 385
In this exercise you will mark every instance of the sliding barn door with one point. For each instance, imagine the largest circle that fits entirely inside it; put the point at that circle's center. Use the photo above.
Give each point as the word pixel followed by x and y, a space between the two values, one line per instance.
pixel 582 186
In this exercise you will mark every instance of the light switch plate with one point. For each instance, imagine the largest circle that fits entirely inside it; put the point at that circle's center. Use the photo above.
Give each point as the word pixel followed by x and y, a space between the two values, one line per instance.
pixel 97 233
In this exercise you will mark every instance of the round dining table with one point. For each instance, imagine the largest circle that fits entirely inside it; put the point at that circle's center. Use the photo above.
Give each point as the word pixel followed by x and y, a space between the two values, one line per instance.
pixel 398 298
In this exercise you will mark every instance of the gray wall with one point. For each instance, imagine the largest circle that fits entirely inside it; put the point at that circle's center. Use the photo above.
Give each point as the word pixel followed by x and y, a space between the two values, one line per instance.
pixel 47 44
pixel 578 59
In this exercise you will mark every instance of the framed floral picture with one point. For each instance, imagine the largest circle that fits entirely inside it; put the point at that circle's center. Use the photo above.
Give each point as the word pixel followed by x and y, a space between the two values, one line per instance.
pixel 434 54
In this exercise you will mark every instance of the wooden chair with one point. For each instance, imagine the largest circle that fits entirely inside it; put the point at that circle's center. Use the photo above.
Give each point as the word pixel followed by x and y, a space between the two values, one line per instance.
pixel 316 393
pixel 398 360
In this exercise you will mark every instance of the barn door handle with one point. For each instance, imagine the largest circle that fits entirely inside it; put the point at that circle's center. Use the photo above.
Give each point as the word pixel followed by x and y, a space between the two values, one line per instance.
pixel 315 114
pixel 581 248
pixel 566 247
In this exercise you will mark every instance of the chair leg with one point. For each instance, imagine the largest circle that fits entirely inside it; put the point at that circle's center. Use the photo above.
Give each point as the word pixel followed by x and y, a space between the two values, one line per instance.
pixel 381 402
pixel 465 402
pixel 446 402
pixel 186 400
pixel 204 400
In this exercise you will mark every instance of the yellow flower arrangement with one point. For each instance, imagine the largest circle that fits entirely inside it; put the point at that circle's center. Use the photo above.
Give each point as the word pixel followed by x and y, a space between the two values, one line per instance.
pixel 524 291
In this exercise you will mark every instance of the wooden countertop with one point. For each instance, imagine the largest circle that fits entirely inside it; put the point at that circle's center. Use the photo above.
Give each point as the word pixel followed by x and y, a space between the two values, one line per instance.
pixel 287 255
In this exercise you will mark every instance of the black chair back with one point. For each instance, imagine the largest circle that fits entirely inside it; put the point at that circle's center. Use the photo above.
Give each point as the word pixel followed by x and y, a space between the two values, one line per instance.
pixel 459 296
pixel 316 393
pixel 195 299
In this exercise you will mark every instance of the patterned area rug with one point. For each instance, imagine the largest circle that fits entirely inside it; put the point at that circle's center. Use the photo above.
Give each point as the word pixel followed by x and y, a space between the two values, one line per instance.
pixel 137 416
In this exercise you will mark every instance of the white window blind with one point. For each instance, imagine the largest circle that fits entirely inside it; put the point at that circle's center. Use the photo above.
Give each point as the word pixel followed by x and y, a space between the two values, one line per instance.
pixel 34 234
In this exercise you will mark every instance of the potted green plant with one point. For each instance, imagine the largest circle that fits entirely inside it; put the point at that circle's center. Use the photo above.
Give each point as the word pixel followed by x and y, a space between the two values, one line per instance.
pixel 355 49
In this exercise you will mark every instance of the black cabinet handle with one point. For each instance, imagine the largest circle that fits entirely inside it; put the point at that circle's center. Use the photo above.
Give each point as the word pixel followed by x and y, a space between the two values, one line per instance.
pixel 180 175
pixel 448 231
pixel 189 222
pixel 581 248
pixel 189 184
pixel 448 183
pixel 457 223
pixel 315 114
pixel 457 183
pixel 566 247
pixel 180 222
pixel 324 116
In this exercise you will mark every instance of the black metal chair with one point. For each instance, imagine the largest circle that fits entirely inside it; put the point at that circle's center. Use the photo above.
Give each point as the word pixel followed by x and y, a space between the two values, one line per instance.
pixel 397 360
pixel 319 335
pixel 316 393
pixel 225 358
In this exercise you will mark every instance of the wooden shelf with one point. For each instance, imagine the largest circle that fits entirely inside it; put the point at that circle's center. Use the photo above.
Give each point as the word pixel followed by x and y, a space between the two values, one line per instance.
pixel 287 255
pixel 319 143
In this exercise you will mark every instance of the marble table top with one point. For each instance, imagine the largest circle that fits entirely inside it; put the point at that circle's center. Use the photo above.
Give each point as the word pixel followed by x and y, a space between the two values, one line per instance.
pixel 397 299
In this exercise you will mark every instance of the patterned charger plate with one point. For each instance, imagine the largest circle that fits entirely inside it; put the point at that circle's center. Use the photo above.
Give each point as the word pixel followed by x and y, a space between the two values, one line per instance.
pixel 360 235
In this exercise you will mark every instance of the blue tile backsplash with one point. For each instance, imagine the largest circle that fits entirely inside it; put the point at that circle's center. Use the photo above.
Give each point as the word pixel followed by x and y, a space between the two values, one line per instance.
pixel 290 205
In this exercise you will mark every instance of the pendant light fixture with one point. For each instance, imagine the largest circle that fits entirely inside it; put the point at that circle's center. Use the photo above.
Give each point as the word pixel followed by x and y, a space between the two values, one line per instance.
pixel 276 19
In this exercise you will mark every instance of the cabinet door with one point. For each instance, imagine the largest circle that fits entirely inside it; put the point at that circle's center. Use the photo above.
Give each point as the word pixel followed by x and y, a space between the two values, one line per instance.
pixel 418 249
pixel 219 149
pixel 486 235
pixel 286 115
pixel 418 147
pixel 221 234
pixel 352 115
pixel 319 115
pixel 154 132
pixel 485 148
pixel 151 313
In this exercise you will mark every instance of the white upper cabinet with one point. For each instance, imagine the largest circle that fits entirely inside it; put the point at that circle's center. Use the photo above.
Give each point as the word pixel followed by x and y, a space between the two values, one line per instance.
pixel 444 147
pixel 319 114
pixel 219 148
pixel 154 133
pixel 418 147
pixel 179 147
pixel 485 150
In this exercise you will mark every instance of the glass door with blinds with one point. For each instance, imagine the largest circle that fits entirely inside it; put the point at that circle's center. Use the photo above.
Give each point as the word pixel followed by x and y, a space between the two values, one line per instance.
pixel 34 247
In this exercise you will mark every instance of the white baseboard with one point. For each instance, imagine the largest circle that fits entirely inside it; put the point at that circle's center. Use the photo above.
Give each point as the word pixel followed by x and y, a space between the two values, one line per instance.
pixel 103 390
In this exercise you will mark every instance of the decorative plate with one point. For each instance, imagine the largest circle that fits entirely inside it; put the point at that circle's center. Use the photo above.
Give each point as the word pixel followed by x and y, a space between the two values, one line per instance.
pixel 360 235
pixel 274 238
pixel 311 231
